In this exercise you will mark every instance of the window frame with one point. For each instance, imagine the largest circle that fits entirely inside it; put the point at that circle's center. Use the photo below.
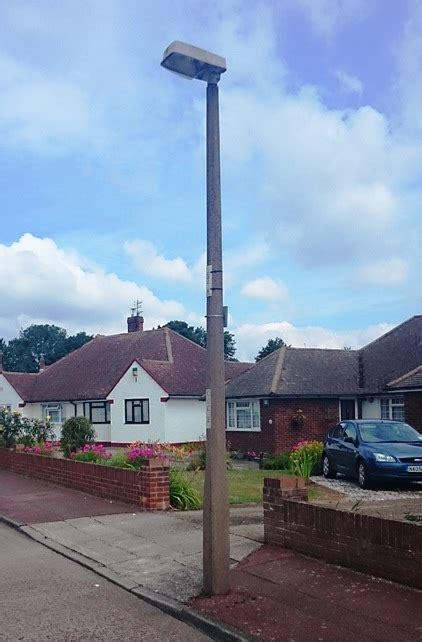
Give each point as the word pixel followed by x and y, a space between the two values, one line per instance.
pixel 140 404
pixel 250 402
pixel 391 404
pixel 88 405
pixel 56 407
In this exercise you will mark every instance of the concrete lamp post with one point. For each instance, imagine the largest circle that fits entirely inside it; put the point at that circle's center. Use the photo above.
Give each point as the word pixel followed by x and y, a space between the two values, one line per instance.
pixel 192 62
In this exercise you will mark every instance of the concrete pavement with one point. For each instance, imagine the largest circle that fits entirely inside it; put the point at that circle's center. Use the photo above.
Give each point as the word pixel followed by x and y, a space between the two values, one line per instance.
pixel 44 596
pixel 159 551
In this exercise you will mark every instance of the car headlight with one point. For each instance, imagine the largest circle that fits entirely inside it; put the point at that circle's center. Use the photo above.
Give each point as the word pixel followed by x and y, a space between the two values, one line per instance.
pixel 384 458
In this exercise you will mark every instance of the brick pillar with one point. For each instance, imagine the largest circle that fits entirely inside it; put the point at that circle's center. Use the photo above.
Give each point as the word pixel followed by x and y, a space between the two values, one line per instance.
pixel 287 486
pixel 154 485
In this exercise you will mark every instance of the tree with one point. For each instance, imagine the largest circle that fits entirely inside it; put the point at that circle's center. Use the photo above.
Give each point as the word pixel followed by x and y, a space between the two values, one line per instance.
pixel 229 346
pixel 199 335
pixel 271 346
pixel 23 354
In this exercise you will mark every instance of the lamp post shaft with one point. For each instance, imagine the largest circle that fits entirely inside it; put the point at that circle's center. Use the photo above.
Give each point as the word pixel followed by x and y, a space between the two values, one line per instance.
pixel 216 504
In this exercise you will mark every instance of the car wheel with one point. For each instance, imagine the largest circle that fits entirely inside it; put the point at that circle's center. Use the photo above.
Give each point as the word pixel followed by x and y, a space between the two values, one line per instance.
pixel 363 476
pixel 327 469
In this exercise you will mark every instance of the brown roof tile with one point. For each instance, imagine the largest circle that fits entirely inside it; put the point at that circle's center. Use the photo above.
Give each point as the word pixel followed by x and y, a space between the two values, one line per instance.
pixel 392 355
pixel 310 371
pixel 412 379
pixel 91 372
pixel 299 371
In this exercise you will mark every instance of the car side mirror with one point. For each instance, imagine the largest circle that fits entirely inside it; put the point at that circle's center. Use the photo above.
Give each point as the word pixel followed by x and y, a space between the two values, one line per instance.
pixel 350 440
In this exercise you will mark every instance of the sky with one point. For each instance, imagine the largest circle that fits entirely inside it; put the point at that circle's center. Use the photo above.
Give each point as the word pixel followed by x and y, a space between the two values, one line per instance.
pixel 102 166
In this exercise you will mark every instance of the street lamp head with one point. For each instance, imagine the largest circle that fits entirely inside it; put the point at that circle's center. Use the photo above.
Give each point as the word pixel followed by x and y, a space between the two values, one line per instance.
pixel 191 62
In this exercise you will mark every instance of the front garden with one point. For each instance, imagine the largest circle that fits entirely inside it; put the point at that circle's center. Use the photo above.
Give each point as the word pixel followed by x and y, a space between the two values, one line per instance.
pixel 187 462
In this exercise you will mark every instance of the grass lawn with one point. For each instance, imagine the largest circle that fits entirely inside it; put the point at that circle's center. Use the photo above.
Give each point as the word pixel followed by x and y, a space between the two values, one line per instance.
pixel 245 486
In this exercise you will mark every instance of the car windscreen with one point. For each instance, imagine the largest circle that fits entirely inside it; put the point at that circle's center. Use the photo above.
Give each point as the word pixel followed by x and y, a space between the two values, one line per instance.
pixel 377 431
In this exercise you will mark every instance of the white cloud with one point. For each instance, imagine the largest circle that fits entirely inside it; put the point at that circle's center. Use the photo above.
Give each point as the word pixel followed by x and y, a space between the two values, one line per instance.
pixel 39 282
pixel 265 289
pixel 390 272
pixel 45 113
pixel 350 84
pixel 251 337
pixel 147 260
pixel 327 16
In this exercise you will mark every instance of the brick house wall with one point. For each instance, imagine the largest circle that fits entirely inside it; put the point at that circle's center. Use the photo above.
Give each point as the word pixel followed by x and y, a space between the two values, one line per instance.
pixel 413 409
pixel 277 432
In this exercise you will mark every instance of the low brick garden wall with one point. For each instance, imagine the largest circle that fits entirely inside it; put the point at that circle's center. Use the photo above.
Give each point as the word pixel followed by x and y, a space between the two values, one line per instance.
pixel 383 547
pixel 148 488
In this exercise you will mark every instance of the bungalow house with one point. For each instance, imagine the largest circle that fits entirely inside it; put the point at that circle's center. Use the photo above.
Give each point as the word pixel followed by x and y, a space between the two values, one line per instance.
pixel 140 385
pixel 299 393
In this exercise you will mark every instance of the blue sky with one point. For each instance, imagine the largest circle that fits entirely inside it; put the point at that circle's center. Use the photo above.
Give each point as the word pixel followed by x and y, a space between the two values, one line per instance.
pixel 102 193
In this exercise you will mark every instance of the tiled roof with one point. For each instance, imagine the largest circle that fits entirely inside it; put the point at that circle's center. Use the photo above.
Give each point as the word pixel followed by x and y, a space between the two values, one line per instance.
pixel 22 382
pixel 299 371
pixel 91 372
pixel 319 372
pixel 412 379
pixel 392 355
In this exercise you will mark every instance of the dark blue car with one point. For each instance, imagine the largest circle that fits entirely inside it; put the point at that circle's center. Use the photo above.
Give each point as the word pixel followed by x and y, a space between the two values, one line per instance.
pixel 373 450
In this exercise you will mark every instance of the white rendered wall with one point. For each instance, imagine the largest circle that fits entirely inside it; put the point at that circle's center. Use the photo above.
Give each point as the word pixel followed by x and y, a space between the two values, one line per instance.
pixel 371 410
pixel 185 420
pixel 142 387
pixel 8 395
pixel 102 431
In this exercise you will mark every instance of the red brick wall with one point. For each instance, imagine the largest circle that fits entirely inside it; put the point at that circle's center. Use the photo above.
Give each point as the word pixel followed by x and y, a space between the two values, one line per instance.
pixel 383 547
pixel 280 435
pixel 149 488
pixel 413 409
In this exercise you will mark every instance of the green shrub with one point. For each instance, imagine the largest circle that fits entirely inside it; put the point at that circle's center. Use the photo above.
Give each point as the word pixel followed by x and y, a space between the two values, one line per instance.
pixel 76 433
pixel 280 461
pixel 17 429
pixel 183 496
pixel 34 431
pixel 10 427
pixel 306 458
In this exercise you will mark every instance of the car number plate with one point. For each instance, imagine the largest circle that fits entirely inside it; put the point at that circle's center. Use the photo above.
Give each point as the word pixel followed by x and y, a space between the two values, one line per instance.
pixel 414 469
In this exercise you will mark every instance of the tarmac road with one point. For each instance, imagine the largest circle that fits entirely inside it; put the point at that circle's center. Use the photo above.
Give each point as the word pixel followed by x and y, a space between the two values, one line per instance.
pixel 44 596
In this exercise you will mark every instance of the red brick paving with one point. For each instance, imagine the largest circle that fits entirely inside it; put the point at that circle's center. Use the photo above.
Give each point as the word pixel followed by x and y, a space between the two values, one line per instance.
pixel 278 594
pixel 30 501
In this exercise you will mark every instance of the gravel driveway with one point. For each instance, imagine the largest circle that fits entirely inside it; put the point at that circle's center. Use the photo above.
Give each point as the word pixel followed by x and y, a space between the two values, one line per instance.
pixel 351 490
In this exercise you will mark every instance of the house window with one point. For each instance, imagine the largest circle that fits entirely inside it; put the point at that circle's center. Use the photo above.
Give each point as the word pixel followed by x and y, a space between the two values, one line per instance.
pixel 243 415
pixel 137 411
pixel 392 408
pixel 53 413
pixel 98 412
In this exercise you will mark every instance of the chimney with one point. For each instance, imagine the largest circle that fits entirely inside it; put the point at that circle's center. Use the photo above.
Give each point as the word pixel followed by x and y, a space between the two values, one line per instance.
pixel 42 365
pixel 135 323
pixel 1 361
